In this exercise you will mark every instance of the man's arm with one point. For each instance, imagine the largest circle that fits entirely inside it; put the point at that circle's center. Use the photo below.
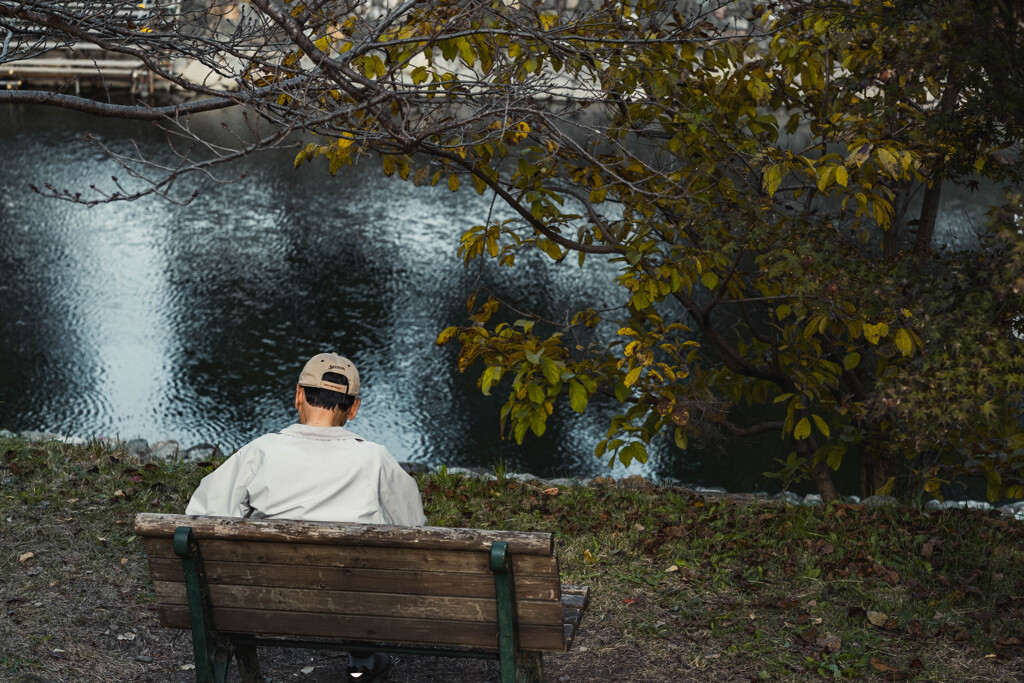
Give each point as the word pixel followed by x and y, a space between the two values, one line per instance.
pixel 225 491
pixel 400 495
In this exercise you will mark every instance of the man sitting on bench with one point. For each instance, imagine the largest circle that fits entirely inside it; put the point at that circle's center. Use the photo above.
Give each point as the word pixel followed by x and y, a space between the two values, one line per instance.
pixel 317 470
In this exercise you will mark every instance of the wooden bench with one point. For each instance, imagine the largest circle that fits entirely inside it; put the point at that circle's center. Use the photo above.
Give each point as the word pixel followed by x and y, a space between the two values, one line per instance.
pixel 242 583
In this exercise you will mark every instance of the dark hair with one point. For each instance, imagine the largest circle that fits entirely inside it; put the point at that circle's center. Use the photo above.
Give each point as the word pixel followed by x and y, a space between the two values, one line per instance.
pixel 327 399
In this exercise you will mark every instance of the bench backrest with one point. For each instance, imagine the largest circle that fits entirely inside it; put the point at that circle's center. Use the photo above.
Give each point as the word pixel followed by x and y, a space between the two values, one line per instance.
pixel 388 584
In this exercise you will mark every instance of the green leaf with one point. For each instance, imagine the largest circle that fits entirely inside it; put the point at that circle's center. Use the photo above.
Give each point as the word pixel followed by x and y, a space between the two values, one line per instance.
pixel 490 376
pixel 802 430
pixel 634 451
pixel 994 485
pixel 550 369
pixel 680 438
pixel 466 51
pixel 834 455
pixel 851 360
pixel 577 397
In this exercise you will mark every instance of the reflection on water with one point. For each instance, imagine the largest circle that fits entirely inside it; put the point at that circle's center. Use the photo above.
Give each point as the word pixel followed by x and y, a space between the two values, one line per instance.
pixel 157 320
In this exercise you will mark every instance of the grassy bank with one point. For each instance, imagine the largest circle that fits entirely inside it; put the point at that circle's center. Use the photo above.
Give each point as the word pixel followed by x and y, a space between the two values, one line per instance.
pixel 685 587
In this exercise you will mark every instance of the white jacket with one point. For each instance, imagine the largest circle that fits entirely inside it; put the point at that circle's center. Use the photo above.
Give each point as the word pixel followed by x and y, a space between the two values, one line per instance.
pixel 313 473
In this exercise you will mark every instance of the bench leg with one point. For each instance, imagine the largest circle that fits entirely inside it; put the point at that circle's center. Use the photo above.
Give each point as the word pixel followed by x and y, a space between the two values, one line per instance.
pixel 529 667
pixel 248 664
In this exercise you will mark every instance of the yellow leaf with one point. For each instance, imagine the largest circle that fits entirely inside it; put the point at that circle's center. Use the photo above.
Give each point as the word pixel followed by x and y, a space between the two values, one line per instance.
pixel 861 154
pixel 841 176
pixel 903 342
pixel 803 429
pixel 453 182
pixel 821 424
pixel 873 333
pixel 851 361
pixel 886 489
pixel 772 179
pixel 632 376
pixel 888 161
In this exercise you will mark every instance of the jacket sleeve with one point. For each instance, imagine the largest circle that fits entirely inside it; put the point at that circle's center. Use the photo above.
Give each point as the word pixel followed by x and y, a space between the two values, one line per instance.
pixel 225 491
pixel 399 495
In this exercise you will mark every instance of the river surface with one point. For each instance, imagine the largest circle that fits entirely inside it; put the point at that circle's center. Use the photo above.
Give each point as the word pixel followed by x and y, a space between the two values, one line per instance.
pixel 156 320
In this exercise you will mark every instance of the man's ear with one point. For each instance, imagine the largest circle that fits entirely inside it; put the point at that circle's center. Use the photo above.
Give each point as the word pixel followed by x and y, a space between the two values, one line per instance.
pixel 353 410
pixel 300 396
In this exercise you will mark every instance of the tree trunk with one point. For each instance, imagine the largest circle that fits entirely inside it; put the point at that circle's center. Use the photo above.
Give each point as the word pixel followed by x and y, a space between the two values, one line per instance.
pixel 874 473
pixel 929 212
pixel 823 480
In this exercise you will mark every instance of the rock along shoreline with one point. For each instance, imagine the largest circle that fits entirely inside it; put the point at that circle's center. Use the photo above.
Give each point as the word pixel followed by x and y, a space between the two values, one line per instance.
pixel 170 451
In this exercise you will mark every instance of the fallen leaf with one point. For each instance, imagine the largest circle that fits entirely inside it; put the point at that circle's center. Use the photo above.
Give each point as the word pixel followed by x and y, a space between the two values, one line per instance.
pixel 673 568
pixel 126 636
pixel 188 667
pixel 587 556
pixel 928 548
pixel 307 670
pixel 916 664
pixel 878 619
pixel 810 635
pixel 124 560
pixel 119 493
pixel 553 491
pixel 629 601
pixel 831 643
pixel 26 556
pixel 961 636
pixel 879 665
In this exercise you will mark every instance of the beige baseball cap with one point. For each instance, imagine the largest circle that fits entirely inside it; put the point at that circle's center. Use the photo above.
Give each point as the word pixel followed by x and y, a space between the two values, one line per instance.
pixel 313 373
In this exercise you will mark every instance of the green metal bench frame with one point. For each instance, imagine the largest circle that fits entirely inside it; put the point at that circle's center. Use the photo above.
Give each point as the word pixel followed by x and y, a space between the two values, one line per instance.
pixel 214 650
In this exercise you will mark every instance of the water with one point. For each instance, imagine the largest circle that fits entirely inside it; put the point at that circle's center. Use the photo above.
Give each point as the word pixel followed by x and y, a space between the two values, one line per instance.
pixel 163 321
pixel 191 322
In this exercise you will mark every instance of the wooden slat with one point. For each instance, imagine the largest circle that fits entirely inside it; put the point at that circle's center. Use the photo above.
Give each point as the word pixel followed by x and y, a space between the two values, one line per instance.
pixel 343 533
pixel 215 550
pixel 380 629
pixel 446 608
pixel 355 579
pixel 574 602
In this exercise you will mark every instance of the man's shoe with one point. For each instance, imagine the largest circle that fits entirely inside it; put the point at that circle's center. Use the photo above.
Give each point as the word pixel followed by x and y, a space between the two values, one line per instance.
pixel 376 667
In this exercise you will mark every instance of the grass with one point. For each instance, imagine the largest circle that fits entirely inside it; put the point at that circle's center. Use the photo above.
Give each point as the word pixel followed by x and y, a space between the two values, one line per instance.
pixel 684 587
